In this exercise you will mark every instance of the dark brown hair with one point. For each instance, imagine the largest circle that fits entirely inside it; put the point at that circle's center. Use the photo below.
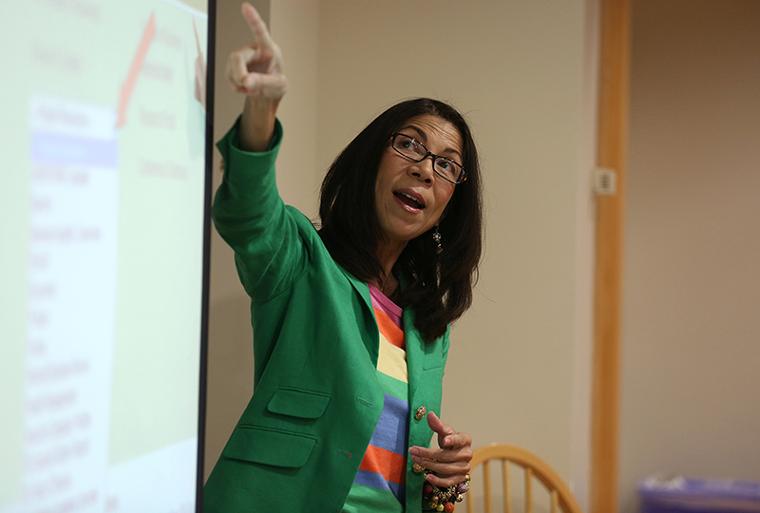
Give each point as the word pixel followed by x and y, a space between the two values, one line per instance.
pixel 438 288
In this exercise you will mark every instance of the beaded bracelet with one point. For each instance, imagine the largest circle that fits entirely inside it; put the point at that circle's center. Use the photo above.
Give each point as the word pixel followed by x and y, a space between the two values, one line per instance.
pixel 437 499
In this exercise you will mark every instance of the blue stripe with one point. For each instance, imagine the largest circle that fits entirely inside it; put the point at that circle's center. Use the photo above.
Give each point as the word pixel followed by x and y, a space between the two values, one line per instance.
pixel 374 480
pixel 392 423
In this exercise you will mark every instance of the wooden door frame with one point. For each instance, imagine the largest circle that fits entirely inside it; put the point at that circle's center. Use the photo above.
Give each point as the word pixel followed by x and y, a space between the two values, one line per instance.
pixel 612 141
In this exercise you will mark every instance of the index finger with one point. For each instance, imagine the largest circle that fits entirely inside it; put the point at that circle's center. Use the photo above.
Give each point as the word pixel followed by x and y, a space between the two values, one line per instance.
pixel 256 24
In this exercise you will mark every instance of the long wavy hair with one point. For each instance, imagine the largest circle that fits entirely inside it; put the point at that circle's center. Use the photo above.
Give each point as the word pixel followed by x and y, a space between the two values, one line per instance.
pixel 438 287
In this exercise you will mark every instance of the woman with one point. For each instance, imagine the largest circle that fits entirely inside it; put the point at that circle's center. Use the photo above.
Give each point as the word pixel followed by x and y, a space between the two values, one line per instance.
pixel 351 321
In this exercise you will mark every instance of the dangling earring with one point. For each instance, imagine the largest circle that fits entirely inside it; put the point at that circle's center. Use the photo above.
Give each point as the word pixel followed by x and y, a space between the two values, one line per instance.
pixel 438 241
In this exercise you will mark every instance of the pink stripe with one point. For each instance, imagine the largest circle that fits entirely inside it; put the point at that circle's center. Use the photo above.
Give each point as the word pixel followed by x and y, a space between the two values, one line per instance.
pixel 384 303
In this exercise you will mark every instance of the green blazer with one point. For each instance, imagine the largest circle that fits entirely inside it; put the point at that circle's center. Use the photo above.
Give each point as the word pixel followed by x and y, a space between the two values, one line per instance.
pixel 316 400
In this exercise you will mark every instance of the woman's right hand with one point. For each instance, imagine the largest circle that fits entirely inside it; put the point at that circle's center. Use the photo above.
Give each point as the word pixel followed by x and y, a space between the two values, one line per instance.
pixel 256 71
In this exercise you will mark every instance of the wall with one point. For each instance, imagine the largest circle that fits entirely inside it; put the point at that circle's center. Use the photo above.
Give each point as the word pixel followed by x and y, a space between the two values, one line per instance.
pixel 523 72
pixel 691 285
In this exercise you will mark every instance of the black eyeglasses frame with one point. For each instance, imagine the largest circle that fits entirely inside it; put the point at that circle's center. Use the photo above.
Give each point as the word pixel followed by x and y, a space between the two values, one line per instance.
pixel 462 174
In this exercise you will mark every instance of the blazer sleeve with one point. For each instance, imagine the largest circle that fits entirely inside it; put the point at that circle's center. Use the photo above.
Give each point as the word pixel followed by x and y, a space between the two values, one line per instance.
pixel 251 217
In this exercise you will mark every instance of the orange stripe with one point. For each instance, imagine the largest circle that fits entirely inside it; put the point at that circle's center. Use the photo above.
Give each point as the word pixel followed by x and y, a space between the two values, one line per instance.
pixel 393 333
pixel 384 462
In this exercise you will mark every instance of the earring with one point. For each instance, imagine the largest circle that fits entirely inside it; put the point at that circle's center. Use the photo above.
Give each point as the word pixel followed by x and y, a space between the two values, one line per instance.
pixel 438 241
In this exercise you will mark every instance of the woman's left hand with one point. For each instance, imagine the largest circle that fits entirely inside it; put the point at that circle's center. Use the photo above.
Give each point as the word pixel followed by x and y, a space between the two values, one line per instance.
pixel 450 463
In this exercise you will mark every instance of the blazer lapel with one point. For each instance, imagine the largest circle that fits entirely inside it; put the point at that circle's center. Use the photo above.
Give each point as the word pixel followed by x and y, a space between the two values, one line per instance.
pixel 415 355
pixel 371 335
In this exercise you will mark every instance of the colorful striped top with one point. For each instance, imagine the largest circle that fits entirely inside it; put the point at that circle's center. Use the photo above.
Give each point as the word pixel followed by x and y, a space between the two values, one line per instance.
pixel 379 483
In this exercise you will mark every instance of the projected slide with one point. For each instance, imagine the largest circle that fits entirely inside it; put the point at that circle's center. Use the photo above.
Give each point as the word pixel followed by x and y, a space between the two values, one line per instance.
pixel 102 131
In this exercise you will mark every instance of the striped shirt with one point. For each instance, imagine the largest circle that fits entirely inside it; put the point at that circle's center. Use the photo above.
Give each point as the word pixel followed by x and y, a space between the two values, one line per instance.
pixel 379 483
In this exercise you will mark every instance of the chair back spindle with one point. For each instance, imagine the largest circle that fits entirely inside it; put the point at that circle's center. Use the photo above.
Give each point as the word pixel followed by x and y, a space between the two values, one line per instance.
pixel 505 486
pixel 553 501
pixel 487 487
pixel 528 490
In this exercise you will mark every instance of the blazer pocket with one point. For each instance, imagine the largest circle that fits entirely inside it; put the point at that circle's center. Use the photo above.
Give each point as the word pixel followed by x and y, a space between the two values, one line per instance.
pixel 298 403
pixel 269 447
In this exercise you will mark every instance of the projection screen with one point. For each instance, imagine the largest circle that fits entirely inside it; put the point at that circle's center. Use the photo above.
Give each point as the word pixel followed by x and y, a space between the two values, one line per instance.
pixel 103 270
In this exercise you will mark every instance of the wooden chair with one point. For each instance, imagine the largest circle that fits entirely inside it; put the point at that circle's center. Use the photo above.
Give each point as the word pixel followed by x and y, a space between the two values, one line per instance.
pixel 534 468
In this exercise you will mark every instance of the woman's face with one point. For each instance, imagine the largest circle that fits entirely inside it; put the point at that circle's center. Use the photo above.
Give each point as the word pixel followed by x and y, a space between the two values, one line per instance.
pixel 409 196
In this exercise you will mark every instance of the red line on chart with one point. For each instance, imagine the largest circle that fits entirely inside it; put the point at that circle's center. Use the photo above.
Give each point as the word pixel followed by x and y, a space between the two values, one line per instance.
pixel 128 86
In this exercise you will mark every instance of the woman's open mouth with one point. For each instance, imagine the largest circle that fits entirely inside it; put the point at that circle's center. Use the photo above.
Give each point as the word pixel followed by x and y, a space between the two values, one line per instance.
pixel 410 200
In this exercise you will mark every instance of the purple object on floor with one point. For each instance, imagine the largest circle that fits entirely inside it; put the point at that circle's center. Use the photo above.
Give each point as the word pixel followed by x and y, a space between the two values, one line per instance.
pixel 687 495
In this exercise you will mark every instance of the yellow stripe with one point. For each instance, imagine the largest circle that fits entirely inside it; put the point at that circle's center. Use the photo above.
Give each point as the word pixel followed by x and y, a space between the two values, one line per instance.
pixel 391 360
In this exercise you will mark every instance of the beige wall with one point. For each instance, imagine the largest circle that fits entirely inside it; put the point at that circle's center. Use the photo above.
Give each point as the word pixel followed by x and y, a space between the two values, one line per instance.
pixel 691 283
pixel 523 73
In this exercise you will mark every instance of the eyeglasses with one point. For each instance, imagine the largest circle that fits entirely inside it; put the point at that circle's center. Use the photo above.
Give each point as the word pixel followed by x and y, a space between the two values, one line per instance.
pixel 413 150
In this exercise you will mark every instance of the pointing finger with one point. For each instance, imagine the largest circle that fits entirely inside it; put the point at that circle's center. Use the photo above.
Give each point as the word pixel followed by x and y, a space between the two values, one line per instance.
pixel 257 26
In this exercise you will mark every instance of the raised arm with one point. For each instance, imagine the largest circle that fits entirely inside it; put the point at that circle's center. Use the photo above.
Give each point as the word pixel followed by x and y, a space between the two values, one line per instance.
pixel 248 211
